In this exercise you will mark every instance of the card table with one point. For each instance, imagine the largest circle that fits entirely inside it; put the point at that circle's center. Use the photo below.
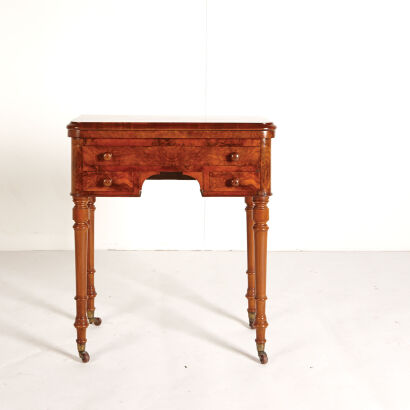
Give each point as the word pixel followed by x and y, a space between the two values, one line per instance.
pixel 112 156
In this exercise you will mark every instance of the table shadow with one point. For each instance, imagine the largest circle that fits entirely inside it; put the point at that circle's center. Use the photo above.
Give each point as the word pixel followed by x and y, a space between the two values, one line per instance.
pixel 20 334
pixel 21 294
pixel 174 320
pixel 174 288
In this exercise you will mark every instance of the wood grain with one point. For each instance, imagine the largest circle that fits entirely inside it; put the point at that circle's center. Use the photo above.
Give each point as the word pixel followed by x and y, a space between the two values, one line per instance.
pixel 121 181
pixel 247 182
pixel 80 216
pixel 250 242
pixel 261 217
pixel 115 158
pixel 186 159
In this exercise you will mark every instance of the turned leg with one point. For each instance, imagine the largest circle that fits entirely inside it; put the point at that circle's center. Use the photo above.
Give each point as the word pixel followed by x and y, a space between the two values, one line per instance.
pixel 261 216
pixel 80 216
pixel 91 293
pixel 250 294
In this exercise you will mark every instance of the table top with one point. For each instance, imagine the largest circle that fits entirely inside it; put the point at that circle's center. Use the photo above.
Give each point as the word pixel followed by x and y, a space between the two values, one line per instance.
pixel 126 122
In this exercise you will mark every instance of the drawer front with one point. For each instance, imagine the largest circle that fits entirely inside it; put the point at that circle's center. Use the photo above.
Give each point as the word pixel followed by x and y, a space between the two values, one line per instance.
pixel 235 182
pixel 111 182
pixel 186 158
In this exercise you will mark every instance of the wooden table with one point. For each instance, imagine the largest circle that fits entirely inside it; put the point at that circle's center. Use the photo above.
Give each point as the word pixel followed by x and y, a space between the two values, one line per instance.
pixel 113 156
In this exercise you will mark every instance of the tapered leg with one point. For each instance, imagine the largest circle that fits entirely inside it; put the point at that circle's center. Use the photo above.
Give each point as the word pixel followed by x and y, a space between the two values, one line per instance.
pixel 250 294
pixel 261 216
pixel 80 216
pixel 91 293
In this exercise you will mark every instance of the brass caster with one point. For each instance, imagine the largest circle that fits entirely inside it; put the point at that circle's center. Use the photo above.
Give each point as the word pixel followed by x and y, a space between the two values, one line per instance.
pixel 95 320
pixel 252 320
pixel 85 357
pixel 263 357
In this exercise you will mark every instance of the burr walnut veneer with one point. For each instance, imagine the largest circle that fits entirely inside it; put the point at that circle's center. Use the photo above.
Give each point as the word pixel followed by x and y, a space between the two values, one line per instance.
pixel 113 156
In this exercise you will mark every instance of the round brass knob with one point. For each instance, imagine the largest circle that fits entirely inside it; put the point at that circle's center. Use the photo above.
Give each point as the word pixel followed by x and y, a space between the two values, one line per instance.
pixel 234 156
pixel 107 156
pixel 235 182
pixel 107 182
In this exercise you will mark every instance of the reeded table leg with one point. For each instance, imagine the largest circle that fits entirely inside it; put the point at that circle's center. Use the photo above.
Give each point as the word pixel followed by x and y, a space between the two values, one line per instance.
pixel 261 216
pixel 80 216
pixel 250 294
pixel 91 293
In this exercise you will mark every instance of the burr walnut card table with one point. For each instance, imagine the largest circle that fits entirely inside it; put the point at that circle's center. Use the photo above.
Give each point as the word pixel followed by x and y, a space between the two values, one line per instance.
pixel 113 156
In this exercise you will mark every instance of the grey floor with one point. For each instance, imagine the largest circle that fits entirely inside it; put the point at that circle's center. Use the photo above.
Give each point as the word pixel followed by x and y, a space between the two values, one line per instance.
pixel 175 336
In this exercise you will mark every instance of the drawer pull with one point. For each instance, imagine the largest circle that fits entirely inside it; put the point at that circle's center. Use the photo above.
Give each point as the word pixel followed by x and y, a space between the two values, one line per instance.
pixel 107 156
pixel 234 156
pixel 235 182
pixel 107 182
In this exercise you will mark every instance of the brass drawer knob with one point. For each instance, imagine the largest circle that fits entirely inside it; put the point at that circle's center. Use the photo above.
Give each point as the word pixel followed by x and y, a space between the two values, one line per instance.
pixel 234 156
pixel 235 182
pixel 107 182
pixel 107 156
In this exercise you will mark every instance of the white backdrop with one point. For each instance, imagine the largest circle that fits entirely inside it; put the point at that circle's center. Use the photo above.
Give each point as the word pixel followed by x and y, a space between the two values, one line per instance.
pixel 333 76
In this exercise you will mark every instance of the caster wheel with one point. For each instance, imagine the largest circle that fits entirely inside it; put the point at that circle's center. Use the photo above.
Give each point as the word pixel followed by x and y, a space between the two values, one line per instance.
pixel 263 357
pixel 97 321
pixel 85 357
pixel 252 318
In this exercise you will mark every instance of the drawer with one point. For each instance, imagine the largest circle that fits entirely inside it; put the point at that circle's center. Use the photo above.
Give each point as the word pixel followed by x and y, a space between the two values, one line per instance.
pixel 170 157
pixel 232 181
pixel 108 181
